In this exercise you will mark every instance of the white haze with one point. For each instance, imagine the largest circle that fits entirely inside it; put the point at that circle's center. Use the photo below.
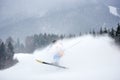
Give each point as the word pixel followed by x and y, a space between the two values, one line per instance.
pixel 29 8
pixel 87 57
pixel 18 10
pixel 52 16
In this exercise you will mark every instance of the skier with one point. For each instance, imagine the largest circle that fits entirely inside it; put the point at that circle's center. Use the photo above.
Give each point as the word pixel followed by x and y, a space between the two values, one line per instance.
pixel 57 51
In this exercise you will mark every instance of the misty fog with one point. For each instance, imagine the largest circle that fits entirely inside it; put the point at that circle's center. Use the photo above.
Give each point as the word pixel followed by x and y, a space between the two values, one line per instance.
pixel 51 16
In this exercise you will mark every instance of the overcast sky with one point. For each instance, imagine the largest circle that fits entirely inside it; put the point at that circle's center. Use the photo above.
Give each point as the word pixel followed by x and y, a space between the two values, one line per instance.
pixel 30 7
pixel 27 8
pixel 18 13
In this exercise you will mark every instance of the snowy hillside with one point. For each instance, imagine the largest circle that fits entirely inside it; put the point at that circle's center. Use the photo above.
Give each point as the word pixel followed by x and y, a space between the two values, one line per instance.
pixel 92 58
pixel 113 10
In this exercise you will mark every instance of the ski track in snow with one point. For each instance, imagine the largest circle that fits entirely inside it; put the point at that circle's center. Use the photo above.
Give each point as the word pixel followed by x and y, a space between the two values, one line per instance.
pixel 92 58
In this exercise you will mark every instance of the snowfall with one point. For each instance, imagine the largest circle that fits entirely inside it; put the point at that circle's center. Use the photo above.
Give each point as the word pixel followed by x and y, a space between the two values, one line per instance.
pixel 87 58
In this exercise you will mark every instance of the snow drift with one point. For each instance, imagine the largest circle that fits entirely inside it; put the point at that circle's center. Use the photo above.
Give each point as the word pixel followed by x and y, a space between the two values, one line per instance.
pixel 87 57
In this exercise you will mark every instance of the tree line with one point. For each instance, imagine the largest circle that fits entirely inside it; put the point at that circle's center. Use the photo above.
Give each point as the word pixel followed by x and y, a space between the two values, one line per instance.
pixel 38 41
pixel 41 40
pixel 9 47
pixel 33 42
pixel 113 33
pixel 7 54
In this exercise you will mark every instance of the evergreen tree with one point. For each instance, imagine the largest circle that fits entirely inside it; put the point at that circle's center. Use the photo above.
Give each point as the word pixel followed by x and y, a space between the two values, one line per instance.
pixel 0 41
pixel 101 31
pixel 17 46
pixel 117 37
pixel 9 40
pixel 6 54
pixel 93 32
pixel 2 50
pixel 10 51
pixel 36 40
pixel 62 36
pixel 105 31
pixel 29 44
pixel 9 48
pixel 112 33
pixel 70 35
pixel 80 34
pixel 2 55
pixel 118 30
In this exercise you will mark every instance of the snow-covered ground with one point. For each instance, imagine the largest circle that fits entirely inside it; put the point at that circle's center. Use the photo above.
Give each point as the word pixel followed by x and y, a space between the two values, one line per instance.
pixel 113 10
pixel 87 57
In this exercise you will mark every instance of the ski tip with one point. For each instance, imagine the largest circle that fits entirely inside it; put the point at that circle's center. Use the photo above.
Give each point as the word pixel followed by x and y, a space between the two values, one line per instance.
pixel 38 60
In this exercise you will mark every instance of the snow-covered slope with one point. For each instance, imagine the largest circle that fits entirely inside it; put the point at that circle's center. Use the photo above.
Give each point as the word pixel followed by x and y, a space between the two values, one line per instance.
pixel 113 10
pixel 92 58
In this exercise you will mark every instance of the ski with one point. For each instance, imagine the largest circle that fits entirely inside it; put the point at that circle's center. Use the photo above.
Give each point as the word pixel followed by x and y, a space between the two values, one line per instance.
pixel 47 63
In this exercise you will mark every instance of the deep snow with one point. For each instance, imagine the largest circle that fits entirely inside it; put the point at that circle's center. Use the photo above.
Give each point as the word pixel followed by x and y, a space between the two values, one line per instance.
pixel 92 58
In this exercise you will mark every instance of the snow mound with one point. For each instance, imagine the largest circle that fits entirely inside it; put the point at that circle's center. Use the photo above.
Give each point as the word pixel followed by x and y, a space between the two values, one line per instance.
pixel 87 57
